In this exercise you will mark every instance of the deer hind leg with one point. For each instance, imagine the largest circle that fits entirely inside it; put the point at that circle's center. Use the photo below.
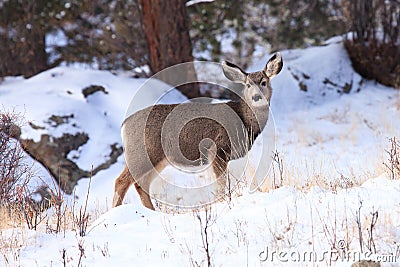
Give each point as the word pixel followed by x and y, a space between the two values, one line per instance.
pixel 122 184
pixel 125 180
pixel 143 186
pixel 144 197
pixel 219 166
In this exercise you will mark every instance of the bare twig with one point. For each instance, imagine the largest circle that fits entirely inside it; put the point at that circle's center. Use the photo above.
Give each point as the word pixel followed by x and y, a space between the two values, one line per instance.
pixel 393 163
pixel 81 252
pixel 82 220
pixel 358 221
pixel 206 221
pixel 371 243
pixel 277 163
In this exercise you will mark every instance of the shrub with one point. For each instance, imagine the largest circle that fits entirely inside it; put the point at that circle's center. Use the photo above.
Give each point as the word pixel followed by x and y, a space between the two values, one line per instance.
pixel 393 162
pixel 374 47
pixel 15 173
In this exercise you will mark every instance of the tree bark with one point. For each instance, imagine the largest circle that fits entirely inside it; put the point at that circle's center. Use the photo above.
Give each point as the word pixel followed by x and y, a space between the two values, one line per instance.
pixel 22 40
pixel 35 57
pixel 166 28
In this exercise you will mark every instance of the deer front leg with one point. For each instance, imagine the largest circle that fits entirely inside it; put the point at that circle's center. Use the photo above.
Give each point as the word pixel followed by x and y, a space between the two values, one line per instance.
pixel 219 167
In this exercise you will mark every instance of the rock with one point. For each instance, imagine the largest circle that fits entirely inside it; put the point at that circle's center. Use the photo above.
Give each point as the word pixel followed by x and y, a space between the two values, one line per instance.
pixel 366 263
pixel 69 124
pixel 52 153
pixel 93 89
pixel 55 120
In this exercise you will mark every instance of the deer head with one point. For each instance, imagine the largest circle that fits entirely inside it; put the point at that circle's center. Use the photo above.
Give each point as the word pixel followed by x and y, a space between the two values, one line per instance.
pixel 257 90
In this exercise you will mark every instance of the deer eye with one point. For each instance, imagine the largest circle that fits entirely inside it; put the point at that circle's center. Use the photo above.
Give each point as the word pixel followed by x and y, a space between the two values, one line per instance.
pixel 256 98
pixel 263 83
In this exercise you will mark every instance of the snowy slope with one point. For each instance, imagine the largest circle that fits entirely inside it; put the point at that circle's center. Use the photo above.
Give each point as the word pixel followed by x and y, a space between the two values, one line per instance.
pixel 332 145
pixel 59 92
pixel 285 220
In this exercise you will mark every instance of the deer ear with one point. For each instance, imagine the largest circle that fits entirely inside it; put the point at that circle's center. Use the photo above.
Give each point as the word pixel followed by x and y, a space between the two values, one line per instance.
pixel 274 65
pixel 233 72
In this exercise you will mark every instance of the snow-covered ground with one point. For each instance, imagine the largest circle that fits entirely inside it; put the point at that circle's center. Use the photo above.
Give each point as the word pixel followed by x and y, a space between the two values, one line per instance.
pixel 332 145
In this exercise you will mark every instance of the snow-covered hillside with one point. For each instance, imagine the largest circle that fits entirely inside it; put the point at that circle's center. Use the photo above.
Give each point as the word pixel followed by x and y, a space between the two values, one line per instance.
pixel 58 102
pixel 332 130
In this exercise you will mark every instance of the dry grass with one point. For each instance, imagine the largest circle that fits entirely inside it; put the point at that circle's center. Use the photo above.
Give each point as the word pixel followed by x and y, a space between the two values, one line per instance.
pixel 338 116
pixel 14 231
pixel 398 101
pixel 11 245
pixel 307 172
pixel 6 220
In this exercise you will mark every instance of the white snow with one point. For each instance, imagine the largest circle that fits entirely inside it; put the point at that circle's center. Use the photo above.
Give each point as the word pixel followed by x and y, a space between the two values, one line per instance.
pixel 59 92
pixel 332 145
pixel 194 2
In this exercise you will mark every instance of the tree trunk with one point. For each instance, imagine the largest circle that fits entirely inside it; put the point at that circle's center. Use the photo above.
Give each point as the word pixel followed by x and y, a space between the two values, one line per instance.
pixel 22 40
pixel 35 59
pixel 166 28
pixel 25 58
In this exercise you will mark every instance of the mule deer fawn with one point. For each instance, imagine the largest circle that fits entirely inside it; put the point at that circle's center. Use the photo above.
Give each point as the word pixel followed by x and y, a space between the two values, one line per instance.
pixel 143 139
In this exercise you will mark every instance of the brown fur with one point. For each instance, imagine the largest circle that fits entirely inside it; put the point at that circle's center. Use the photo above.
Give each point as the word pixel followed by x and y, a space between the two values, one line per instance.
pixel 142 133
